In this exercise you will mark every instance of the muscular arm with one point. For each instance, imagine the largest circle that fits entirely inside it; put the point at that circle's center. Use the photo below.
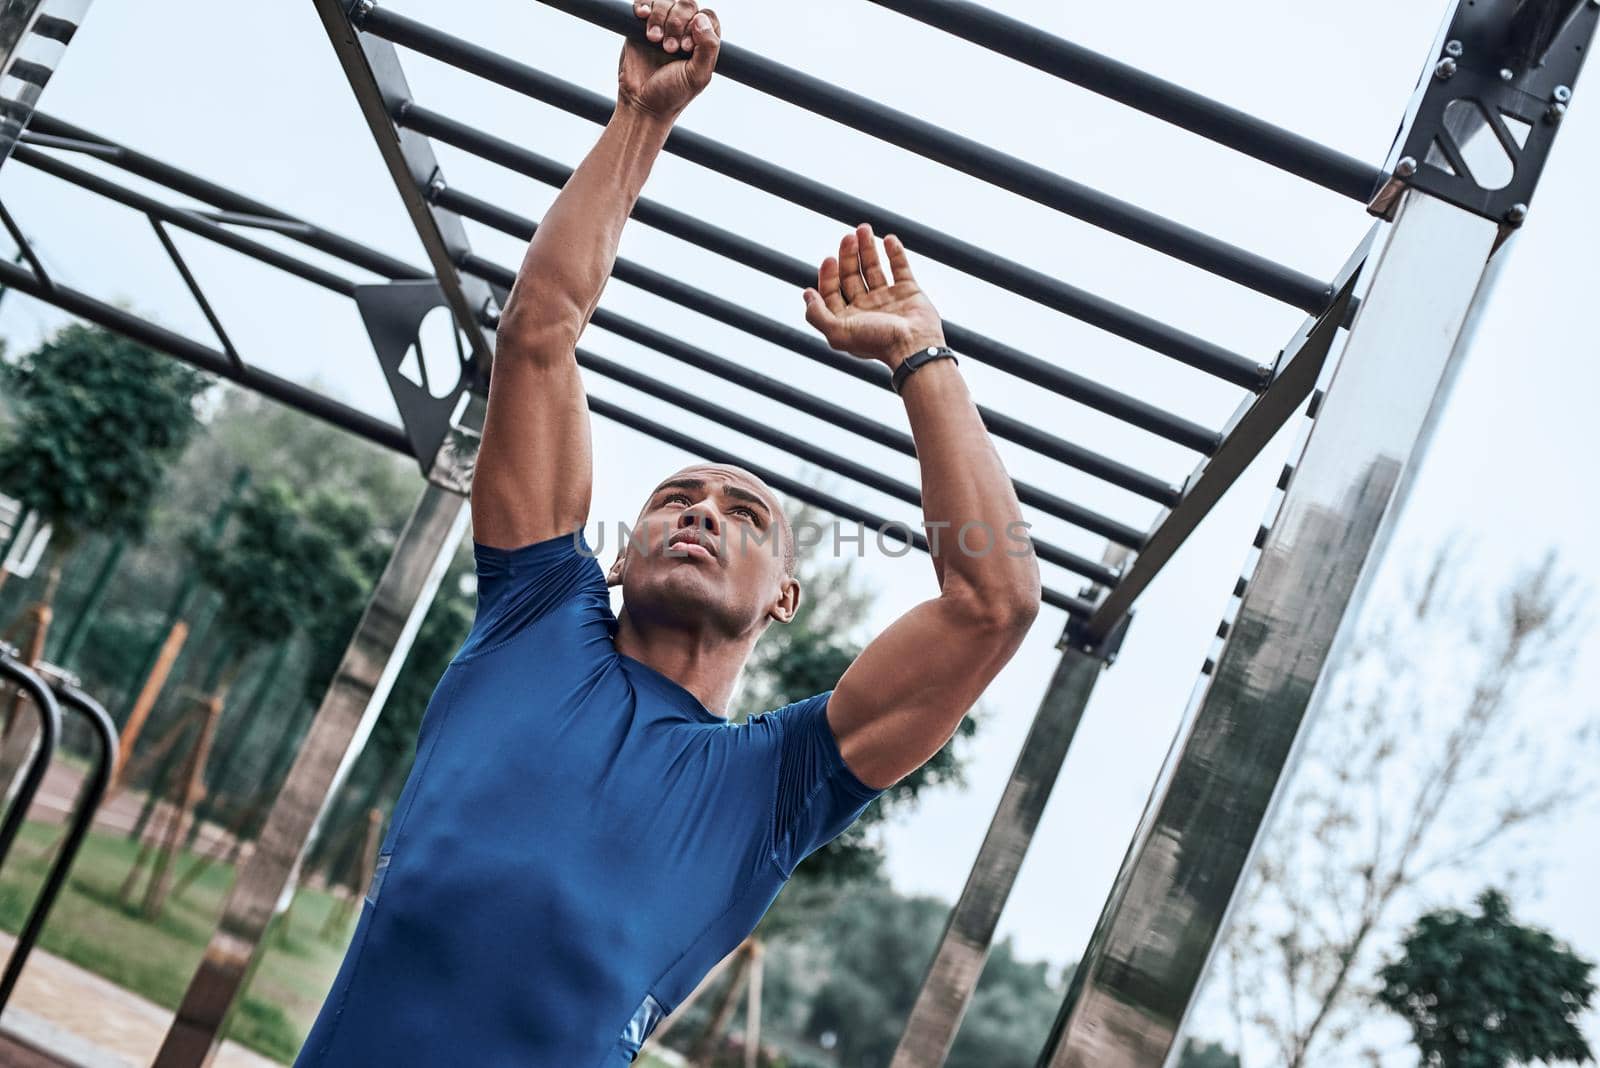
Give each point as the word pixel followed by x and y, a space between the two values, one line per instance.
pixel 907 691
pixel 535 470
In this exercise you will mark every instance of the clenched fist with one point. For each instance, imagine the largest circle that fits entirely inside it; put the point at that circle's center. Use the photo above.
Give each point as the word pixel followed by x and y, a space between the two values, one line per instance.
pixel 652 75
pixel 860 309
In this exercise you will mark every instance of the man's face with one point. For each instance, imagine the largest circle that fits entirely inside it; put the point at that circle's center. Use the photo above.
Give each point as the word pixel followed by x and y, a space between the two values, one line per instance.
pixel 708 549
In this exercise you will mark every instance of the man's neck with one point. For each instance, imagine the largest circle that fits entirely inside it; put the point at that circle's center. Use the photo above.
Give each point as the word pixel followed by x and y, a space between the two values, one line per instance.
pixel 705 664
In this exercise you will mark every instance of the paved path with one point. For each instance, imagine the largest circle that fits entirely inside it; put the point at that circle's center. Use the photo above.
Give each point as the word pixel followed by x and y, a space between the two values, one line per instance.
pixel 83 1020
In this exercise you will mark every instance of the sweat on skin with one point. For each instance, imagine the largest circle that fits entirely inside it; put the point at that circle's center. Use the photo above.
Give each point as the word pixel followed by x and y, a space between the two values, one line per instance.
pixel 585 832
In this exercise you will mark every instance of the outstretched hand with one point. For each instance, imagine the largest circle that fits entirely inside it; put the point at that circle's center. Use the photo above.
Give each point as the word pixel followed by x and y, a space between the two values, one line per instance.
pixel 860 309
pixel 652 74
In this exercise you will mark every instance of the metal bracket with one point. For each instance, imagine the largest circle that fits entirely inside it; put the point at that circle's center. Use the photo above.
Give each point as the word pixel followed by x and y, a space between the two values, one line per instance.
pixel 1482 122
pixel 1078 636
pixel 393 313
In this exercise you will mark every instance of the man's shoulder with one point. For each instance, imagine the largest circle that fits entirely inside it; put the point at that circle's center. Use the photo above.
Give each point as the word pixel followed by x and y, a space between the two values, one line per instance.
pixel 554 586
pixel 796 716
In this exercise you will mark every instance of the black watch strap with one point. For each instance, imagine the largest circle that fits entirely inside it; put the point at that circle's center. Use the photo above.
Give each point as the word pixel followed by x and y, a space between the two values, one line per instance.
pixel 916 360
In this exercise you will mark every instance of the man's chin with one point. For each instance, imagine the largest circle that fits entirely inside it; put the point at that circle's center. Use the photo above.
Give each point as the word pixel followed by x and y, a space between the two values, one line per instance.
pixel 678 589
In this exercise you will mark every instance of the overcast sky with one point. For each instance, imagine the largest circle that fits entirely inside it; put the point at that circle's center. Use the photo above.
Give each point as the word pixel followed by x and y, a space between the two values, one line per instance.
pixel 258 102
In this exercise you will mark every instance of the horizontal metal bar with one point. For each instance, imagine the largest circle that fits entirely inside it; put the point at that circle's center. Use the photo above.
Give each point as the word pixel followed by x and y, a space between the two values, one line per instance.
pixel 218 196
pixel 758 257
pixel 1154 96
pixel 1001 426
pixel 978 160
pixel 208 359
pixel 826 200
pixel 290 227
pixel 845 419
pixel 804 450
pixel 1253 426
pixel 394 438
pixel 671 289
pixel 88 148
pixel 800 491
pixel 155 210
pixel 185 219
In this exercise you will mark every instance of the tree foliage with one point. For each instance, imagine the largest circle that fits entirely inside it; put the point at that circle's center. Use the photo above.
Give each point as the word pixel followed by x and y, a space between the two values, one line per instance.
pixel 1482 991
pixel 288 563
pixel 839 992
pixel 98 417
pixel 1206 1055
pixel 1432 755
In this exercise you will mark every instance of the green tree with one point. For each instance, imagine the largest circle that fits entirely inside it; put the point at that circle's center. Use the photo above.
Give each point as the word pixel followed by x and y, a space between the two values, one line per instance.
pixel 1206 1055
pixel 1434 754
pixel 287 564
pixel 1483 991
pixel 839 992
pixel 98 417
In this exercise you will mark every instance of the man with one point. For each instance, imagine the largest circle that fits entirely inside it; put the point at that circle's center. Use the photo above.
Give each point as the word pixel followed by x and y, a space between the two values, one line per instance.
pixel 584 833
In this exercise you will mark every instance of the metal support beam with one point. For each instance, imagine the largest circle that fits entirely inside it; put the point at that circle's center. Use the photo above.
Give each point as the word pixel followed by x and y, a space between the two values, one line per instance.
pixel 205 358
pixel 1253 425
pixel 374 73
pixel 346 717
pixel 1169 902
pixel 952 976
pixel 33 36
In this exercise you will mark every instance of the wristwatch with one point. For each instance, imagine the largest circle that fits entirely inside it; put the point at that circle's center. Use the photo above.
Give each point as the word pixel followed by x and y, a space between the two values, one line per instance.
pixel 916 360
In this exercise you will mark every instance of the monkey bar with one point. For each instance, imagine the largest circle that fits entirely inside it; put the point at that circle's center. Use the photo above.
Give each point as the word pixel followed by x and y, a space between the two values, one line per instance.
pixel 1410 286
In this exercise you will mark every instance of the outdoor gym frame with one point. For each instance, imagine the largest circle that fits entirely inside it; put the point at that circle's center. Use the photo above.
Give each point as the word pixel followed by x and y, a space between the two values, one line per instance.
pixel 1490 99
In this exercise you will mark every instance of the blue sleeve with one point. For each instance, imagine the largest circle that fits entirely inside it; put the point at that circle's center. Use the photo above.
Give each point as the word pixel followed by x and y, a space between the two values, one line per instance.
pixel 818 795
pixel 519 587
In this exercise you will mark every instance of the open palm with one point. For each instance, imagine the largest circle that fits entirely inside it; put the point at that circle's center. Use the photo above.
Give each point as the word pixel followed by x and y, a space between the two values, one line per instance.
pixel 860 309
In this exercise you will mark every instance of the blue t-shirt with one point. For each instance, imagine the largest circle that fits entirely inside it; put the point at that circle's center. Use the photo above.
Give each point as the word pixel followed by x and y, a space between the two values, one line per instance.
pixel 579 842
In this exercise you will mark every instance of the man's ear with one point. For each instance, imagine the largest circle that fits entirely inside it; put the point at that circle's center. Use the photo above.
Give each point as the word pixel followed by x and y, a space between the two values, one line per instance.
pixel 788 603
pixel 614 576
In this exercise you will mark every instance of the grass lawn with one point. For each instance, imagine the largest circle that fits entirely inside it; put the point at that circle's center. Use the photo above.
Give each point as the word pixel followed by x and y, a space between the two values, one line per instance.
pixel 90 927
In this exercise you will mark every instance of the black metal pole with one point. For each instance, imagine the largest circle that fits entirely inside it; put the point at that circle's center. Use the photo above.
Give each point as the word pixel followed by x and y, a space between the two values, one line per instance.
pixel 1128 85
pixel 1000 425
pixel 847 419
pixel 228 200
pixel 1085 391
pixel 49 713
pixel 806 192
pixel 183 219
pixel 1075 607
pixel 804 450
pixel 207 359
pixel 860 473
pixel 1160 338
pixel 218 363
pixel 958 153
pixel 1076 387
pixel 83 811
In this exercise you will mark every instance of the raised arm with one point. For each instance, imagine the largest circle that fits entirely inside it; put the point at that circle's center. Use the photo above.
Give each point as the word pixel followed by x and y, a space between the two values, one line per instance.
pixel 904 696
pixel 535 470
